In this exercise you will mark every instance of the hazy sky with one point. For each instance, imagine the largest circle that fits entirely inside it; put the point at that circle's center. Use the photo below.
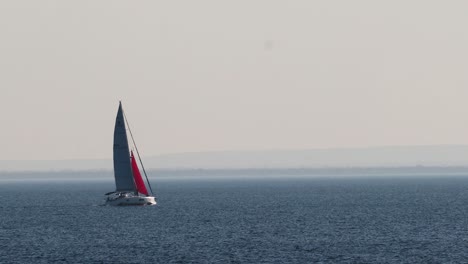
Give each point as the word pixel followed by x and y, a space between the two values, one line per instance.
pixel 231 75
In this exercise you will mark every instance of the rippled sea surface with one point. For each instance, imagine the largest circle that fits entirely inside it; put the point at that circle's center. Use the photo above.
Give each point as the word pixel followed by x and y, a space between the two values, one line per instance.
pixel 295 220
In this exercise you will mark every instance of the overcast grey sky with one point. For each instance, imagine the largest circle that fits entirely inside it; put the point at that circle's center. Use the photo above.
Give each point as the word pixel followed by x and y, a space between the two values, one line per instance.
pixel 231 75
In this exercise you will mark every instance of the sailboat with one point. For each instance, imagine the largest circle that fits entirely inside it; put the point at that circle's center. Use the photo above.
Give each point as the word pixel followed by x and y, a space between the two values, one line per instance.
pixel 130 187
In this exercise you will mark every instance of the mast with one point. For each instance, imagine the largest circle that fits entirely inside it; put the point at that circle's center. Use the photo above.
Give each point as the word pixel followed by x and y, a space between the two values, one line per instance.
pixel 138 153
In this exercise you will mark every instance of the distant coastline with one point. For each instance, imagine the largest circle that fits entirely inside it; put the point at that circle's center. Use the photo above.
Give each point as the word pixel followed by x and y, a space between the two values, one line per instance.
pixel 443 156
pixel 243 174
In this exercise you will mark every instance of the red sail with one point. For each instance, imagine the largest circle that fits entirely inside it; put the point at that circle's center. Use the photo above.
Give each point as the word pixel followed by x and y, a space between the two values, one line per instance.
pixel 141 188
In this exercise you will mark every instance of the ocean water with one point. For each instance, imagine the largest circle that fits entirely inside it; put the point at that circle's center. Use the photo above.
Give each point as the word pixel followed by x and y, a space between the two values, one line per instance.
pixel 239 220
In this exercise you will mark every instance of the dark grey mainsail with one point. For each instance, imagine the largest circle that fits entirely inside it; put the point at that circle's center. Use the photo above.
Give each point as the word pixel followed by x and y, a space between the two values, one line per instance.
pixel 122 167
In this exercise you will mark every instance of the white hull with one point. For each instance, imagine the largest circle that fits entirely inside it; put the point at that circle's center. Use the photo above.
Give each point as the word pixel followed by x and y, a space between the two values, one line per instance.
pixel 129 199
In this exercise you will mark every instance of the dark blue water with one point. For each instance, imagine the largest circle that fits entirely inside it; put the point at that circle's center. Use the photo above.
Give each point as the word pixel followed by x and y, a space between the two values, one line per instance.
pixel 354 220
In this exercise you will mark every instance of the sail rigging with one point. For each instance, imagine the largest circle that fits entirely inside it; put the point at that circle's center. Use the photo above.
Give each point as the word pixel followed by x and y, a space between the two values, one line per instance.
pixel 138 153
